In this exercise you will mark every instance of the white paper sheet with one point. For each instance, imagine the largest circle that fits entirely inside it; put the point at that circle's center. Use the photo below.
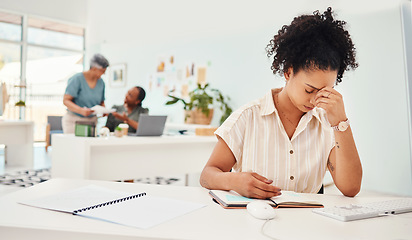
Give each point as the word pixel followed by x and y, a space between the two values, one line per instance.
pixel 140 212
pixel 101 110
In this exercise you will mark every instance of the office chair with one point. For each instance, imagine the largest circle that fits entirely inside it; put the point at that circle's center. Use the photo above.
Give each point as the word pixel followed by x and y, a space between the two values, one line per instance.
pixel 54 125
pixel 321 190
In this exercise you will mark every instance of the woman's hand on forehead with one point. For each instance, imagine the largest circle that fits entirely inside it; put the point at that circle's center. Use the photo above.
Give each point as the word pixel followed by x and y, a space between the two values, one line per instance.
pixel 331 101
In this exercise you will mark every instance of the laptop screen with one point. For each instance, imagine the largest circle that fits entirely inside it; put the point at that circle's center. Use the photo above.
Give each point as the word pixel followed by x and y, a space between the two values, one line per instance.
pixel 151 125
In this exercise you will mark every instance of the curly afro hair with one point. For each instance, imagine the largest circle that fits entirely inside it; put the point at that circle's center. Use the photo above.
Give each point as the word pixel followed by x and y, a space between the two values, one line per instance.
pixel 315 41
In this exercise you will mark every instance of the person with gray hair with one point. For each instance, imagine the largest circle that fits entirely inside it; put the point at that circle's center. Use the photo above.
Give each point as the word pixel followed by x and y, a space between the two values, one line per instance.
pixel 98 61
pixel 84 90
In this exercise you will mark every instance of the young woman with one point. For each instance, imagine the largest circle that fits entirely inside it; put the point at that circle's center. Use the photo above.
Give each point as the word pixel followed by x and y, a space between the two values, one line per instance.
pixel 289 138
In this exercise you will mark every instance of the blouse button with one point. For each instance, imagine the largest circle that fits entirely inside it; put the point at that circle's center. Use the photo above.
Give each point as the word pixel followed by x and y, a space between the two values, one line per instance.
pixel 292 177
pixel 291 151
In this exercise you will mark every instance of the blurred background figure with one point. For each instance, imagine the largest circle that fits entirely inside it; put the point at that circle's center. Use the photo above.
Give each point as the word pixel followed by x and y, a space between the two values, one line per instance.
pixel 130 111
pixel 84 90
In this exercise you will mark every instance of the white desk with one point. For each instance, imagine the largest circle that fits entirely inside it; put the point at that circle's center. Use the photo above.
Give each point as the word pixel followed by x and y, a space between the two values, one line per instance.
pixel 18 138
pixel 211 222
pixel 128 157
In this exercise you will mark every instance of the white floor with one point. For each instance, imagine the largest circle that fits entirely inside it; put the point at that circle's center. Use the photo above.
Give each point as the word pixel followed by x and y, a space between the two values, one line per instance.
pixel 42 159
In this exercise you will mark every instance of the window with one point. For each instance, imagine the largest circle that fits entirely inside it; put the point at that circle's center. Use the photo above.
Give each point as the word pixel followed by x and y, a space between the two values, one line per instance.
pixel 47 33
pixel 36 66
pixel 10 27
pixel 10 59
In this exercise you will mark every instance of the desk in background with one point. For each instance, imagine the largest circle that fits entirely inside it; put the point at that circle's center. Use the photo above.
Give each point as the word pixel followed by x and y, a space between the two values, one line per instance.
pixel 122 158
pixel 18 138
pixel 211 222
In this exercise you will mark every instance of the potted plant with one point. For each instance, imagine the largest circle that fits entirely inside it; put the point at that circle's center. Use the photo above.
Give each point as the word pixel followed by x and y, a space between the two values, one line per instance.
pixel 20 103
pixel 198 107
pixel 118 132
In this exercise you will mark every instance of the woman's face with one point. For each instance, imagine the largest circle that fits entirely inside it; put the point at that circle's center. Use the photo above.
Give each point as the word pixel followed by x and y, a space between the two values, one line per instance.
pixel 132 96
pixel 98 71
pixel 303 86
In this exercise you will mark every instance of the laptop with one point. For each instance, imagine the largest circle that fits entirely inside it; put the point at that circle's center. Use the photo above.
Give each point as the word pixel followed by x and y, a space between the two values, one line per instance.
pixel 150 125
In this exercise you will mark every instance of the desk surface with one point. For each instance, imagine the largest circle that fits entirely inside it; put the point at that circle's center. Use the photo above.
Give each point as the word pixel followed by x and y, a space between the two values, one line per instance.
pixel 15 122
pixel 211 222
pixel 129 140
pixel 17 135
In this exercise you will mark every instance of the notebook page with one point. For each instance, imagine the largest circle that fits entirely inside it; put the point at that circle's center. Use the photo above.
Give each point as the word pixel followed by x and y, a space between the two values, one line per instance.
pixel 70 201
pixel 143 212
pixel 290 196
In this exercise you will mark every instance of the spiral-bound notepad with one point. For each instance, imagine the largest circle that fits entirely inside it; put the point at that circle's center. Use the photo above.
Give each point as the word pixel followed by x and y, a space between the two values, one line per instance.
pixel 115 206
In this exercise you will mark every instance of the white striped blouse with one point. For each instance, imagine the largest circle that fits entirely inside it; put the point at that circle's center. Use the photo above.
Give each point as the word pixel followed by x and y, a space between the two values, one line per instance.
pixel 259 142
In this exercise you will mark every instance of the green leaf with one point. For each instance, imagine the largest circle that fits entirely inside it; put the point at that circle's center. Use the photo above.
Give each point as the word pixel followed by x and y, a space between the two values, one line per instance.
pixel 172 102
pixel 202 98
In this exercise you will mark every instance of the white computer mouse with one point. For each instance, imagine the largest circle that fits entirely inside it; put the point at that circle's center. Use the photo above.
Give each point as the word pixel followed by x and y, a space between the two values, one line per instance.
pixel 261 209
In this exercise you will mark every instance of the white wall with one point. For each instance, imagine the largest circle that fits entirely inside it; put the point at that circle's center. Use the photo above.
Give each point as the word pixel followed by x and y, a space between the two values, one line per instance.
pixel 231 38
pixel 376 100
pixel 73 11
pixel 407 28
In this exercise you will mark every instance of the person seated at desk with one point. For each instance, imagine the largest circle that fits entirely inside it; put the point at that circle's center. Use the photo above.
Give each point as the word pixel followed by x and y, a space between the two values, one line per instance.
pixel 290 137
pixel 129 112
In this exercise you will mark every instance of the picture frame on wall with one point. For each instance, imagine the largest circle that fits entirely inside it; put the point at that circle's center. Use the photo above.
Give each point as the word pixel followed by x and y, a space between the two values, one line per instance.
pixel 117 76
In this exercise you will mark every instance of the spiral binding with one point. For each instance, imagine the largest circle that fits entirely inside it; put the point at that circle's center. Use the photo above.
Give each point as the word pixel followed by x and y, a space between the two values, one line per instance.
pixel 110 202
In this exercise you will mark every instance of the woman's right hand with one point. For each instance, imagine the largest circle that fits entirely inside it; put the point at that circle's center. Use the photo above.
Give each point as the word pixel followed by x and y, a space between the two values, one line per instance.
pixel 217 175
pixel 253 185
pixel 86 111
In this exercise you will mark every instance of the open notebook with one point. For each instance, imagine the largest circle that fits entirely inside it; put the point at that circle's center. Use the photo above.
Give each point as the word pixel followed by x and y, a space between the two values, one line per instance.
pixel 115 206
pixel 231 199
